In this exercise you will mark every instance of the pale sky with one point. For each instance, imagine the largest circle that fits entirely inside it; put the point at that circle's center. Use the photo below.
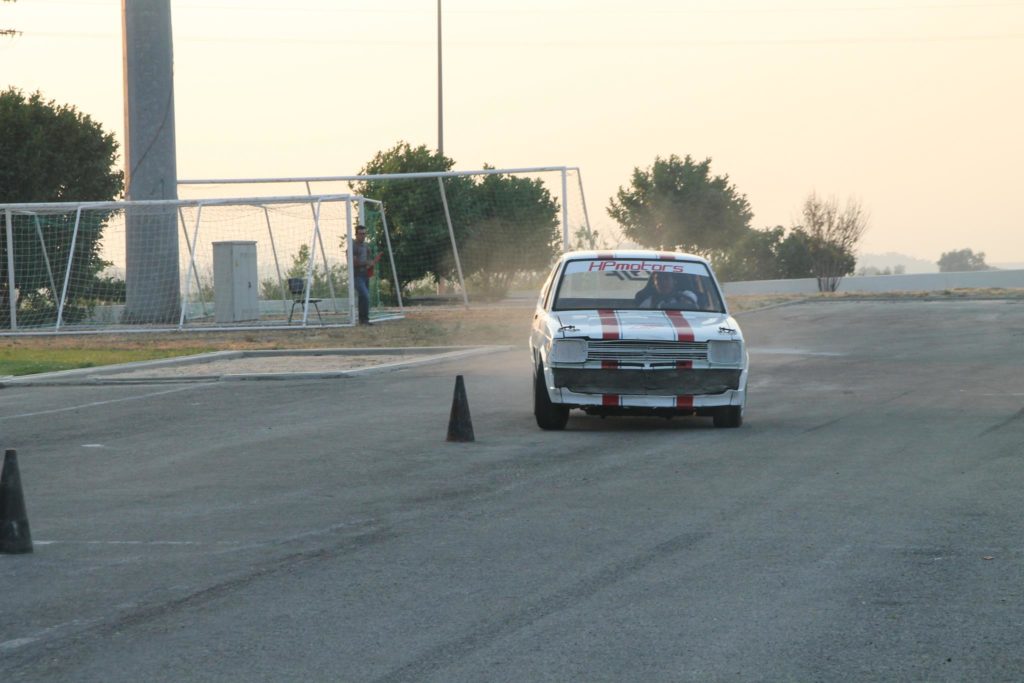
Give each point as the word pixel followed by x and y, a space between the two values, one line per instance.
pixel 914 107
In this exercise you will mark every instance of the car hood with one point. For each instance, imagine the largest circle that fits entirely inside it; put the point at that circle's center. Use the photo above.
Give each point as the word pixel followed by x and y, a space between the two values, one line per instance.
pixel 645 325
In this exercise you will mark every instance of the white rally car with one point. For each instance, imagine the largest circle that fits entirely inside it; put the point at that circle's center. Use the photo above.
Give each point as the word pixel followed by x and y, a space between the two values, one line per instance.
pixel 636 332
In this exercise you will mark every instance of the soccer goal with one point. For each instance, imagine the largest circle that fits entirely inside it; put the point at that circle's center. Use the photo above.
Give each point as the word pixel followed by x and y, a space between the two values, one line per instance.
pixel 456 236
pixel 225 263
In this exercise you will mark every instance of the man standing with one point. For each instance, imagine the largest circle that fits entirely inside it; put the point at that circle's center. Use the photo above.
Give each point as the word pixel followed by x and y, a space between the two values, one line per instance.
pixel 362 268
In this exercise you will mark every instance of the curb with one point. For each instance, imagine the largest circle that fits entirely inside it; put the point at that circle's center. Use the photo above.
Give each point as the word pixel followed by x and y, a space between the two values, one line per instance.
pixel 882 300
pixel 87 376
pixel 769 307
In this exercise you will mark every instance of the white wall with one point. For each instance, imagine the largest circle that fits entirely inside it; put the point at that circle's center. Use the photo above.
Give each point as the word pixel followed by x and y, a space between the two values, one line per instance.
pixel 919 282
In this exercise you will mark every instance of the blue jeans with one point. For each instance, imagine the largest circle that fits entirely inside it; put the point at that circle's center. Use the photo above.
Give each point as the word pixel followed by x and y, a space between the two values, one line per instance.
pixel 362 283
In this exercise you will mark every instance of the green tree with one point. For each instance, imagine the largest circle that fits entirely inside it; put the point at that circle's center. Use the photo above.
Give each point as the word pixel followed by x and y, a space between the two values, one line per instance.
pixel 754 256
pixel 503 225
pixel 677 204
pixel 415 212
pixel 583 238
pixel 772 254
pixel 962 260
pixel 52 153
pixel 796 259
pixel 514 229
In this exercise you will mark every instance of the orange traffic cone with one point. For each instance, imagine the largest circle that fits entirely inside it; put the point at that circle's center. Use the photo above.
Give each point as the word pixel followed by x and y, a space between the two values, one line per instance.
pixel 14 533
pixel 460 426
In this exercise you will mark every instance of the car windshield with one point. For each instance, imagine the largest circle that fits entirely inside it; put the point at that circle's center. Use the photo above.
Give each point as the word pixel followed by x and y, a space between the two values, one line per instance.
pixel 637 284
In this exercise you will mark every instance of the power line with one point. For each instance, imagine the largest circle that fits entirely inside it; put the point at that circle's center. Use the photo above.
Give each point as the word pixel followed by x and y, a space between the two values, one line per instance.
pixel 595 44
pixel 251 7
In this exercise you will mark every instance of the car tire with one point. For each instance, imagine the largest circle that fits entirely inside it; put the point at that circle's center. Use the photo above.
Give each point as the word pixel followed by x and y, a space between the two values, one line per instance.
pixel 729 416
pixel 549 415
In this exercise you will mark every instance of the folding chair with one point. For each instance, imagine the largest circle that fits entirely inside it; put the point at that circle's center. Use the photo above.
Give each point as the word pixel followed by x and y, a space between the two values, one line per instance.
pixel 297 287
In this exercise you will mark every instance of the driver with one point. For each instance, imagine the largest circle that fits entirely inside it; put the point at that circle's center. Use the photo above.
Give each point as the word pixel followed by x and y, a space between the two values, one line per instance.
pixel 662 291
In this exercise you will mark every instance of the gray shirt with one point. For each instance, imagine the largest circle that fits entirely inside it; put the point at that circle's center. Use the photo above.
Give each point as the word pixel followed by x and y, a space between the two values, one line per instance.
pixel 360 257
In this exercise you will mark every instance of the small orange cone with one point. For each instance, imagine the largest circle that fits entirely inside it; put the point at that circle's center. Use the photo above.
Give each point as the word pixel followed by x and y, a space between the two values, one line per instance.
pixel 14 533
pixel 460 426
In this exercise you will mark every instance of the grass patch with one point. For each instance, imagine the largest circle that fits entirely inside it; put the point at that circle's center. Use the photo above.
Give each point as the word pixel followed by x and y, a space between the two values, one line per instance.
pixel 29 361
pixel 748 302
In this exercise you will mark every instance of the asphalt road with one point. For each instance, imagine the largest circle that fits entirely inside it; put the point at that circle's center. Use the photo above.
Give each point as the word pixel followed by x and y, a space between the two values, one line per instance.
pixel 864 524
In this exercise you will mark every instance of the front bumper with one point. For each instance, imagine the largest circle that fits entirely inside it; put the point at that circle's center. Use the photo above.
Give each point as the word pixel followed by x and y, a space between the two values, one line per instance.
pixel 645 382
pixel 674 389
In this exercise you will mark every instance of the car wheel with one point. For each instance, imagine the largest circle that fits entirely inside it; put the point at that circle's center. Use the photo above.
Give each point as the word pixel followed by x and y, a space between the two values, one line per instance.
pixel 548 414
pixel 729 416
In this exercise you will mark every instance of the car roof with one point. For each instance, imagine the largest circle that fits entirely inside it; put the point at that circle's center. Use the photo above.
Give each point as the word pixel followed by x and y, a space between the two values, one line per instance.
pixel 632 254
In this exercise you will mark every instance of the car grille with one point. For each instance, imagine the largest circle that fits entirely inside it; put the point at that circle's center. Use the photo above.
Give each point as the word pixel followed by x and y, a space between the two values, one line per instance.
pixel 647 382
pixel 627 352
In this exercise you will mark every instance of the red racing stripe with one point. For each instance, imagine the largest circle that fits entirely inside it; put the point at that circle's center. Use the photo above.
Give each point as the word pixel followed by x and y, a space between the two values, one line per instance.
pixel 683 330
pixel 609 399
pixel 684 401
pixel 610 324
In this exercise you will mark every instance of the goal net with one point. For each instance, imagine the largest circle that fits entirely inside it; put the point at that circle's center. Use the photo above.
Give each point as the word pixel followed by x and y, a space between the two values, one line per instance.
pixel 202 263
pixel 458 236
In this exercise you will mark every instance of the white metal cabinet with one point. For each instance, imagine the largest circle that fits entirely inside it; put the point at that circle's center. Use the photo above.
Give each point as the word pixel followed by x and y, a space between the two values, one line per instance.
pixel 235 282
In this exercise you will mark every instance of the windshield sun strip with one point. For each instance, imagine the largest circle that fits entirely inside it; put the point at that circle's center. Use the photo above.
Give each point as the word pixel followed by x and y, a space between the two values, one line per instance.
pixel 709 277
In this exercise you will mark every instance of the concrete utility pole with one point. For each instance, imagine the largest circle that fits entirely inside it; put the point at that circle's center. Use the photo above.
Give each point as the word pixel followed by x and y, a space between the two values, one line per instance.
pixel 151 166
pixel 440 90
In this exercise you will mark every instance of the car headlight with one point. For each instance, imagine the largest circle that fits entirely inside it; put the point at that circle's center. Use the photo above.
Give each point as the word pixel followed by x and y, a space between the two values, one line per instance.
pixel 568 351
pixel 725 352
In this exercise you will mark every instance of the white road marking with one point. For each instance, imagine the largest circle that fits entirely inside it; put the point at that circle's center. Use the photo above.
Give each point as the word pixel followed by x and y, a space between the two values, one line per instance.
pixel 365 522
pixel 16 643
pixel 795 352
pixel 93 445
pixel 127 543
pixel 93 404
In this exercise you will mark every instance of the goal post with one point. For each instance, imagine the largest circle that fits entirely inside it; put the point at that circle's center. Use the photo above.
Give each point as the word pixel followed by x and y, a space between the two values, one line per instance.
pixel 455 237
pixel 244 262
